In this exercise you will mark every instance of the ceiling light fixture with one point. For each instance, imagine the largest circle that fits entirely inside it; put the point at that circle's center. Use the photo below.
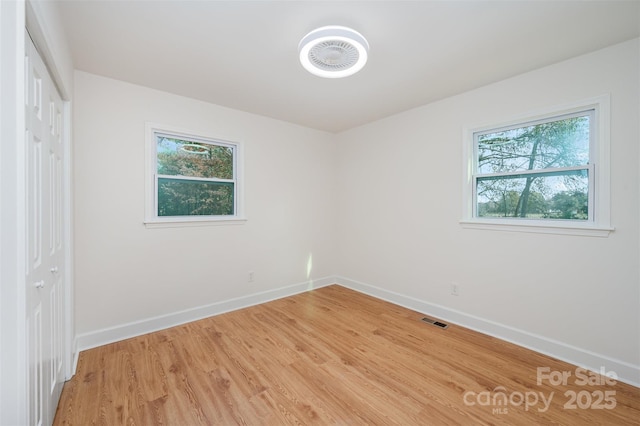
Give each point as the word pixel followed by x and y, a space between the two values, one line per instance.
pixel 333 51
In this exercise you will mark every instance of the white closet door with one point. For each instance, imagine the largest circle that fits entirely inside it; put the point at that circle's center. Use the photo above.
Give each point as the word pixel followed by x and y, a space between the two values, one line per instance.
pixel 45 249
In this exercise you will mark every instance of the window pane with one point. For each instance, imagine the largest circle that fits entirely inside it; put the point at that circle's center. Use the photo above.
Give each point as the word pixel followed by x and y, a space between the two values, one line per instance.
pixel 178 197
pixel 196 159
pixel 555 144
pixel 553 195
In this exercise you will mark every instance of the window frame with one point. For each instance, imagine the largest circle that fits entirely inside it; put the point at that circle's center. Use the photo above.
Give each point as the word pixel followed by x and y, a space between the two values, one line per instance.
pixel 598 223
pixel 152 219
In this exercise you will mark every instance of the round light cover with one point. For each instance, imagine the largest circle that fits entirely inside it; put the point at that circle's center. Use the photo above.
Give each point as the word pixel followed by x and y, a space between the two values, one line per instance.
pixel 333 51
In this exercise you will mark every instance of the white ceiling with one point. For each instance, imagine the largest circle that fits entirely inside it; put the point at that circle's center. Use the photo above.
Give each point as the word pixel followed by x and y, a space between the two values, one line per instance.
pixel 244 54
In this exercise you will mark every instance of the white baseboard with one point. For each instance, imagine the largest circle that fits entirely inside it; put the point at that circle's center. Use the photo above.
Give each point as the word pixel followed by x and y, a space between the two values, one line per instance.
pixel 626 372
pixel 138 328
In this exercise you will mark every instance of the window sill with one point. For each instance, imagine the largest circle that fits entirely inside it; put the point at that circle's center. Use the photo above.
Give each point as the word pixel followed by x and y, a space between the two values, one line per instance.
pixel 185 223
pixel 538 227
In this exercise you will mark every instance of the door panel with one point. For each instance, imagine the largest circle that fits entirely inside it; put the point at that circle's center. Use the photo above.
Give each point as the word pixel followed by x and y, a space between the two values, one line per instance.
pixel 45 248
pixel 56 247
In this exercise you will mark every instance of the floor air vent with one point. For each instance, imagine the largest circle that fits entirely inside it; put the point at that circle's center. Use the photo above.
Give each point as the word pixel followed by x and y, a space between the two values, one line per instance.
pixel 434 322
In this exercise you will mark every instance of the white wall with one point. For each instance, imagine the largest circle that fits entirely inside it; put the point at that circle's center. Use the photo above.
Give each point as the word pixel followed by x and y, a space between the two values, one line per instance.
pixel 126 273
pixel 46 29
pixel 400 202
pixel 377 206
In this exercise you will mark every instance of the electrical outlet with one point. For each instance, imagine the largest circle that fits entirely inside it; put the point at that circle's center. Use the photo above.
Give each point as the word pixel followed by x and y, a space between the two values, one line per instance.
pixel 251 276
pixel 455 289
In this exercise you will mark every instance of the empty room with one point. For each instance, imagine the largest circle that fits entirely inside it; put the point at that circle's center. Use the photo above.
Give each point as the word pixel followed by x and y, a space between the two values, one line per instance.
pixel 319 212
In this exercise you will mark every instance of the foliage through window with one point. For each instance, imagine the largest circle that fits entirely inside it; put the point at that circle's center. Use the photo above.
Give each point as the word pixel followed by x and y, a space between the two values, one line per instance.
pixel 194 176
pixel 537 170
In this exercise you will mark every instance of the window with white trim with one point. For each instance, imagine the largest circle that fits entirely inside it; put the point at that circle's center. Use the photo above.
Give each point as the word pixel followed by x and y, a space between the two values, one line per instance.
pixel 544 172
pixel 191 178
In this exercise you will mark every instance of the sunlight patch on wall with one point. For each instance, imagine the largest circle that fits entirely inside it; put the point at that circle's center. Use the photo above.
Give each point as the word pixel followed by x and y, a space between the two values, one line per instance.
pixel 309 268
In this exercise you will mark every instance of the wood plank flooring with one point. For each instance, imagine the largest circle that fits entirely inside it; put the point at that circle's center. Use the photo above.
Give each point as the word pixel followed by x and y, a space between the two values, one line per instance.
pixel 330 356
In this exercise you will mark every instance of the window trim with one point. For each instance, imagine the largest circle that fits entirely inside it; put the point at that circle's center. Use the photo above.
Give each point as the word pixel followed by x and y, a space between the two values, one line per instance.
pixel 151 219
pixel 599 174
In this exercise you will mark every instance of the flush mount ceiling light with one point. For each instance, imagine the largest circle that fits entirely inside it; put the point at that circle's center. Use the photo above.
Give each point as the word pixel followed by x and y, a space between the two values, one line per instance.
pixel 333 51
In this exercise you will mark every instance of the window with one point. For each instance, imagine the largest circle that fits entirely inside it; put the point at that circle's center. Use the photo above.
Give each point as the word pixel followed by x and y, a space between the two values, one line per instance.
pixel 190 179
pixel 541 174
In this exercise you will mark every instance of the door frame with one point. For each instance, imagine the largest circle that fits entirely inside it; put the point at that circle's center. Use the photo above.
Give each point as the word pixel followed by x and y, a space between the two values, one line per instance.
pixel 15 16
pixel 13 323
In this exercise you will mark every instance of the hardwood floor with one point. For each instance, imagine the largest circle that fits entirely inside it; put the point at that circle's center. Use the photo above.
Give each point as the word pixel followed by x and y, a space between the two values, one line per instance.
pixel 331 356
